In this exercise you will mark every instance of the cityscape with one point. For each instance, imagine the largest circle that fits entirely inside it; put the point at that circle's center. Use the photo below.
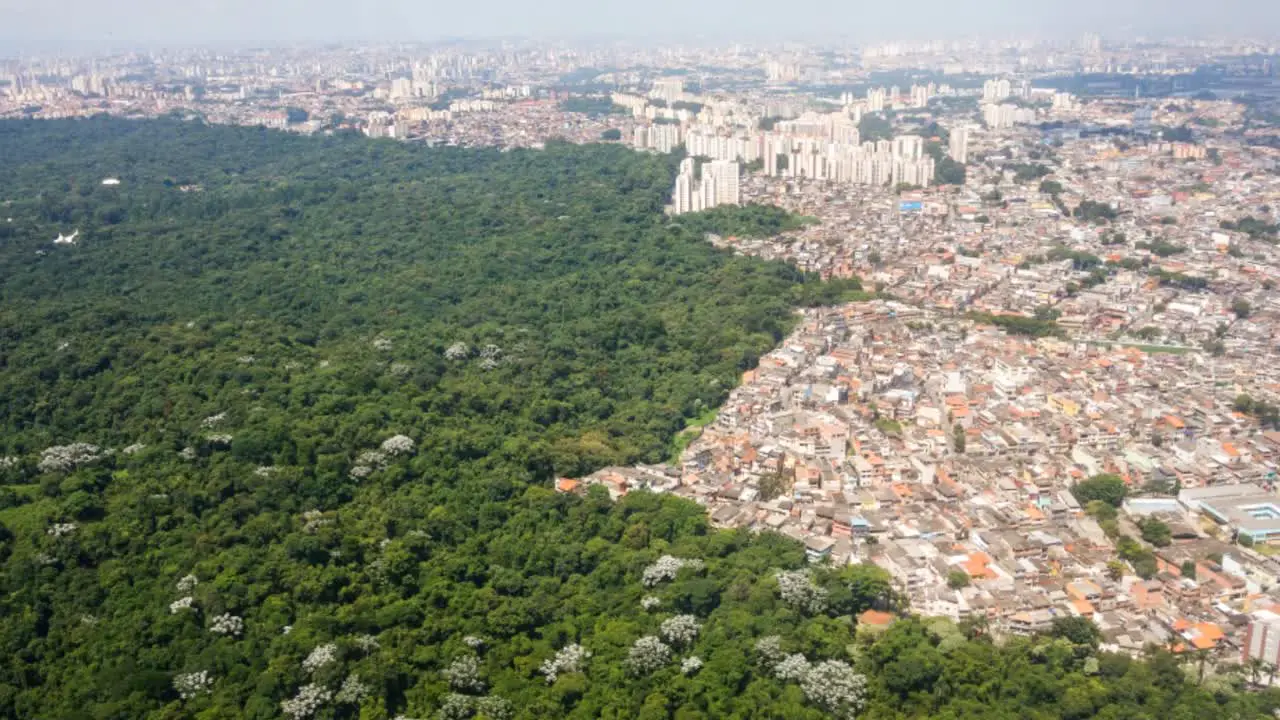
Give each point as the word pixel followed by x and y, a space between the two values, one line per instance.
pixel 1057 394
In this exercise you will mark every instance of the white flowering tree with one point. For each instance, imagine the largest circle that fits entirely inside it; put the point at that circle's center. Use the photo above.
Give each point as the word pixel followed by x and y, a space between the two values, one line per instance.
pixel 367 643
pixel 791 667
pixel 769 648
pixel 797 589
pixel 680 630
pixel 569 659
pixel 227 624
pixel 189 685
pixel 647 655
pixel 307 702
pixel 64 458
pixel 398 445
pixel 691 665
pixel 457 351
pixel 463 674
pixel 650 602
pixel 320 657
pixel 187 583
pixel 667 568
pixel 352 691
pixel 833 686
pixel 182 604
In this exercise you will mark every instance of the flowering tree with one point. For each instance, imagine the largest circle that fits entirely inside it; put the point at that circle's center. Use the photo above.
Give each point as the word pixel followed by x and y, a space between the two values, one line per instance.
pixel 835 687
pixel 457 351
pixel 666 568
pixel 188 583
pixel 307 702
pixel 227 624
pixel 680 630
pixel 647 655
pixel 320 657
pixel 463 674
pixel 398 445
pixel 649 602
pixel 189 685
pixel 791 667
pixel 770 650
pixel 181 604
pixel 796 588
pixel 691 665
pixel 68 457
pixel 352 691
pixel 568 660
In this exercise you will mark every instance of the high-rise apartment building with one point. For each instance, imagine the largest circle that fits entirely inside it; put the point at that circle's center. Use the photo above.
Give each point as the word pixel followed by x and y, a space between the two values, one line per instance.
pixel 996 90
pixel 958 146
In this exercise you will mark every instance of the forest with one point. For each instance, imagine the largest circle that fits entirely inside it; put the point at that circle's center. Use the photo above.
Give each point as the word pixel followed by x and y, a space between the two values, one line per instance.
pixel 281 425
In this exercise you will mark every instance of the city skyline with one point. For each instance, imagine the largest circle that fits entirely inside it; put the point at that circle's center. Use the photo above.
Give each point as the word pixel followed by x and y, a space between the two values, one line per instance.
pixel 78 25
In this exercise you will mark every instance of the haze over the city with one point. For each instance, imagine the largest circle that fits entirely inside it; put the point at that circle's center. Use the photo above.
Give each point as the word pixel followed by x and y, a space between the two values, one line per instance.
pixel 75 25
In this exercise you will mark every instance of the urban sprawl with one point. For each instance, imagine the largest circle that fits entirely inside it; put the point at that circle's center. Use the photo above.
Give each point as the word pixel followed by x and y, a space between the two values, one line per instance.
pixel 1059 396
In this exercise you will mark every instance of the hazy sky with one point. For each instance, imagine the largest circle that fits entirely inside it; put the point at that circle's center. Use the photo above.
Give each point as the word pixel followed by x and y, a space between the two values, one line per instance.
pixel 27 25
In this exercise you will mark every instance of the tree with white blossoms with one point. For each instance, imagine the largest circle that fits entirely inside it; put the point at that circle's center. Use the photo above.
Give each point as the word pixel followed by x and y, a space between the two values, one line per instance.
pixel 383 344
pixel 464 707
pixel 475 642
pixel 463 674
pixel 134 449
pixel 691 665
pixel 189 685
pixel 666 568
pixel 797 589
pixel 227 624
pixel 398 445
pixel 181 604
pixel 8 462
pixel 58 530
pixel 647 655
pixel 313 520
pixel 833 686
pixel 352 691
pixel 187 583
pixel 791 667
pixel 320 657
pixel 649 602
pixel 213 420
pixel 680 630
pixel 367 643
pixel 769 648
pixel 219 440
pixel 568 659
pixel 307 702
pixel 68 457
pixel 457 351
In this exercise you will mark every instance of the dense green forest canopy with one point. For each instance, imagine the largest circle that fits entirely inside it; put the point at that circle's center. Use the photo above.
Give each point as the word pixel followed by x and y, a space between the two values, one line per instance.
pixel 279 426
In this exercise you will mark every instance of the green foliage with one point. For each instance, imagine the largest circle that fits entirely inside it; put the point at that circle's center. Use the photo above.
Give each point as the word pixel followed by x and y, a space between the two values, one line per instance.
pixel 1079 630
pixel 1180 280
pixel 1161 248
pixel 749 221
pixel 1155 531
pixel 957 579
pixel 1241 308
pixel 1027 172
pixel 1254 228
pixel 948 172
pixel 1107 488
pixel 312 290
pixel 611 134
pixel 1051 187
pixel 873 127
pixel 592 105
pixel 1020 324
pixel 1091 211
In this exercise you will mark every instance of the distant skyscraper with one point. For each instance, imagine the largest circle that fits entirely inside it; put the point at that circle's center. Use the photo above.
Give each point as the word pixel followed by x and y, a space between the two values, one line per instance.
pixel 875 99
pixel 958 147
pixel 996 90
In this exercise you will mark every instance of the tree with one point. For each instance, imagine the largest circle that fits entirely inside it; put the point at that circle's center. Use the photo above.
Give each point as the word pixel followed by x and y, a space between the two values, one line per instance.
pixel 957 579
pixel 1079 630
pixel 772 485
pixel 1110 489
pixel 1155 531
pixel 1115 569
pixel 1241 308
pixel 958 438
pixel 1051 187
pixel 1188 569
pixel 611 134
